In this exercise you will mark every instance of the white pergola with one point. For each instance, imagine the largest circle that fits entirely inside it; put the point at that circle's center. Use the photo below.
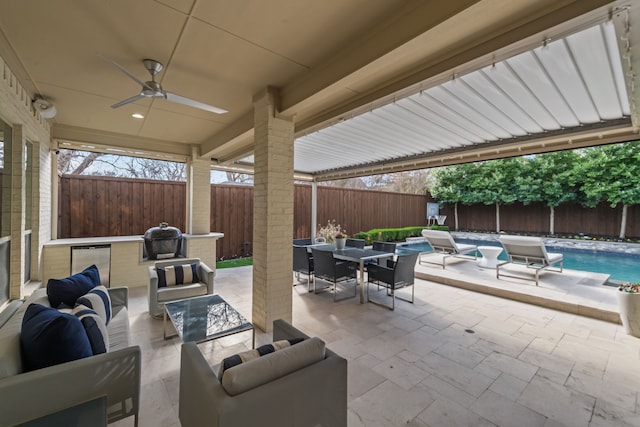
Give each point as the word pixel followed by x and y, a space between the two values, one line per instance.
pixel 564 93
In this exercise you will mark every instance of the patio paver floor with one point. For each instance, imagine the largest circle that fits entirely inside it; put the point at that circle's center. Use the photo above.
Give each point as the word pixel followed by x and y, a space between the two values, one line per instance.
pixel 421 366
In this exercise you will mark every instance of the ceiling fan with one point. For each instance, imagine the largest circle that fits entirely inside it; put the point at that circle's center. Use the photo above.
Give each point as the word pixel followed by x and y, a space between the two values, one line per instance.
pixel 153 89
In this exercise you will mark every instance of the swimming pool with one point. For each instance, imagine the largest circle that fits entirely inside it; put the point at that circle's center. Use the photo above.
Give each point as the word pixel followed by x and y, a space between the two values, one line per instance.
pixel 622 267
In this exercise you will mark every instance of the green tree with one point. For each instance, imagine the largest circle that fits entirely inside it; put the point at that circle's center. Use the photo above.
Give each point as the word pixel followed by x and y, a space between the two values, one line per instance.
pixel 612 173
pixel 449 185
pixel 558 179
pixel 496 183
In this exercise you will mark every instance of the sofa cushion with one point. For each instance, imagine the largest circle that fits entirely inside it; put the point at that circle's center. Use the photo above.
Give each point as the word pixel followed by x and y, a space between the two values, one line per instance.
pixel 246 356
pixel 175 275
pixel 68 290
pixel 50 337
pixel 262 370
pixel 95 328
pixel 98 300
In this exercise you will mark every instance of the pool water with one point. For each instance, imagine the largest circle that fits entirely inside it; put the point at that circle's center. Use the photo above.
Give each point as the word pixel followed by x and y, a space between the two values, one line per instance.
pixel 622 267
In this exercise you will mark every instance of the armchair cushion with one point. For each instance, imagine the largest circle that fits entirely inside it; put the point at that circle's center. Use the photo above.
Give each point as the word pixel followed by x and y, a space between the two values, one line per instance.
pixel 274 365
pixel 68 290
pixel 49 337
pixel 175 275
pixel 246 356
pixel 97 299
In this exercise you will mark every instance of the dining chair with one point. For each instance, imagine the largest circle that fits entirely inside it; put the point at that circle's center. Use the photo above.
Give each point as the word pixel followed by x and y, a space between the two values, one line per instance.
pixel 303 264
pixel 393 276
pixel 329 269
pixel 355 243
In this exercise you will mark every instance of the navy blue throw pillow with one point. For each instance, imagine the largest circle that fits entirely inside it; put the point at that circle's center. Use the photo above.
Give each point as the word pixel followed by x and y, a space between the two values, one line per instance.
pixel 49 337
pixel 66 291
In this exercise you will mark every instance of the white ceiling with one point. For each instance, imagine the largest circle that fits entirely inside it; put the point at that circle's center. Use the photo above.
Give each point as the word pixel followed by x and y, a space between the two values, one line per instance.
pixel 335 63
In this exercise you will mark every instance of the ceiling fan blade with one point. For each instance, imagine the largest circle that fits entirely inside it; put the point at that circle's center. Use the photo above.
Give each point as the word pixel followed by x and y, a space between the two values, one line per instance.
pixel 192 103
pixel 128 101
pixel 124 70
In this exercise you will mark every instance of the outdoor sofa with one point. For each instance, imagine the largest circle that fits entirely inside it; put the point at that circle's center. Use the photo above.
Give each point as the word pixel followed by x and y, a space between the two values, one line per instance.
pixel 27 396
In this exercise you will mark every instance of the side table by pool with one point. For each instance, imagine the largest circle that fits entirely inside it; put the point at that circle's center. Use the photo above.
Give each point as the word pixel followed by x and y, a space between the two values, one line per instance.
pixel 205 318
pixel 489 256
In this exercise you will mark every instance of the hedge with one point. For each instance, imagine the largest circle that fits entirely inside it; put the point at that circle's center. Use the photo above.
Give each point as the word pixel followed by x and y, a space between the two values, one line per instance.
pixel 394 234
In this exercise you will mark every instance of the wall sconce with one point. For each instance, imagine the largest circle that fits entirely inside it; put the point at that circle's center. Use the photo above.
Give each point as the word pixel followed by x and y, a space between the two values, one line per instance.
pixel 46 108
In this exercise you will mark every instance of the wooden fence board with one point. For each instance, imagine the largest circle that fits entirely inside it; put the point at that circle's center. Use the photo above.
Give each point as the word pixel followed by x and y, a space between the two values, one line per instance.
pixel 105 206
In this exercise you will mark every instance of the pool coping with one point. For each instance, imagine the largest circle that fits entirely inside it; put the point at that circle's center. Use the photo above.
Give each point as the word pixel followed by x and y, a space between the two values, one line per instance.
pixel 598 304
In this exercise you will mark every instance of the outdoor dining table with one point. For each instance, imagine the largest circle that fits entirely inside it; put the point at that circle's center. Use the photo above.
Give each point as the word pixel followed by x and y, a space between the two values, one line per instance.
pixel 355 255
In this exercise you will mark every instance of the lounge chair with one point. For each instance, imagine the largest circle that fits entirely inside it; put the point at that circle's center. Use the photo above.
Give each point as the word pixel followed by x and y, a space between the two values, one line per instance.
pixel 529 251
pixel 442 242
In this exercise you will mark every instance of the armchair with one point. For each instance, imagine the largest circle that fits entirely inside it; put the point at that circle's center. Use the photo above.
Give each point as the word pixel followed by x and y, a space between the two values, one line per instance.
pixel 395 275
pixel 158 295
pixel 314 395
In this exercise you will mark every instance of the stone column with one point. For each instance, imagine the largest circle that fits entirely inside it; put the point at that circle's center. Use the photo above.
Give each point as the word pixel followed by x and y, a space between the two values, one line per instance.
pixel 198 194
pixel 272 212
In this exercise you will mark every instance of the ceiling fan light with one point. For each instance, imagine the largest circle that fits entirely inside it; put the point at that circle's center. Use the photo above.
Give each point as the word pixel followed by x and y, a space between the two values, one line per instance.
pixel 137 116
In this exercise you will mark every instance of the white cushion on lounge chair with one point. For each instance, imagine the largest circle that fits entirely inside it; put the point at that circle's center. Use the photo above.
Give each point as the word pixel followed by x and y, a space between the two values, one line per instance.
pixel 441 241
pixel 530 251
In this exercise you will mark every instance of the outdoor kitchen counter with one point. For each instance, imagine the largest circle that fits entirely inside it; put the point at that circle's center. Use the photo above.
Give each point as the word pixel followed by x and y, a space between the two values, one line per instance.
pixel 127 266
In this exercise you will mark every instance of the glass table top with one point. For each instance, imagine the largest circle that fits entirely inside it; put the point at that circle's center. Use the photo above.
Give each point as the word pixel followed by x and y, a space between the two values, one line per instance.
pixel 205 318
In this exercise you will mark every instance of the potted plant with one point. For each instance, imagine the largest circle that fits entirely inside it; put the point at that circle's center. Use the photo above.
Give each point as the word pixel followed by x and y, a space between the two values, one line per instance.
pixel 340 240
pixel 629 305
pixel 333 234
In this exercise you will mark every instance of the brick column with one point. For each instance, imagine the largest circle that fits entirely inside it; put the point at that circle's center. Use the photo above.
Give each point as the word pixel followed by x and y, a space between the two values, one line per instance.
pixel 18 180
pixel 198 194
pixel 272 212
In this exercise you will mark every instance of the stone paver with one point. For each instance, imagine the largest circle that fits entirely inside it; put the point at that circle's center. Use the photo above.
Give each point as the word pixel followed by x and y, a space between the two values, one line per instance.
pixel 418 366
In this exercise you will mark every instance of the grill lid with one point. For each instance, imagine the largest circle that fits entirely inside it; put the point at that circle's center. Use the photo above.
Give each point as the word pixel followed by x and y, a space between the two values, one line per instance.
pixel 161 232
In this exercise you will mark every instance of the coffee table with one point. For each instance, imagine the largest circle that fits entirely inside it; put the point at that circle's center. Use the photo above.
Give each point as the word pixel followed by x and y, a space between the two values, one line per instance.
pixel 205 318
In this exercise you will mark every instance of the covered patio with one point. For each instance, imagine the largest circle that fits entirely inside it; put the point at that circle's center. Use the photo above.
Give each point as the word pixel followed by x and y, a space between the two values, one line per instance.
pixel 416 85
pixel 328 90
pixel 454 357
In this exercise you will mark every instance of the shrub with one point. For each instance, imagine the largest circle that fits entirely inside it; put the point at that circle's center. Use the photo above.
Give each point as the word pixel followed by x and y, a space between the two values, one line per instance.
pixel 389 234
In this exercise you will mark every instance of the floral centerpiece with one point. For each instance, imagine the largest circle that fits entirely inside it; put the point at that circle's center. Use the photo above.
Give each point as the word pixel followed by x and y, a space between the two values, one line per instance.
pixel 332 232
pixel 629 305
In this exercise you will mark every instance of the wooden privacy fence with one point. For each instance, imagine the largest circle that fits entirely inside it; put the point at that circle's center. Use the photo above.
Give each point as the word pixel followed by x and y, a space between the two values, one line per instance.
pixel 92 206
pixel 102 206
pixel 570 219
